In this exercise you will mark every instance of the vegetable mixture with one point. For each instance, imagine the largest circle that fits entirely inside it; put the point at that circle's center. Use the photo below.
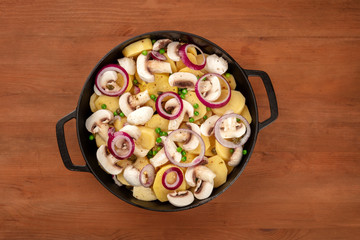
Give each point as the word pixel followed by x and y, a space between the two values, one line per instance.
pixel 167 121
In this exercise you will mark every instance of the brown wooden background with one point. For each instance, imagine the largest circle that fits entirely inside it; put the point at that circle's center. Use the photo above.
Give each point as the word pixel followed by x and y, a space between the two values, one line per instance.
pixel 303 180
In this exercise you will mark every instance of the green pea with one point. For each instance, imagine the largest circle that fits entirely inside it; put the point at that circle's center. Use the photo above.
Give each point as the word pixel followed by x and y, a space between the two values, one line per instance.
pixel 196 113
pixel 158 149
pixel 182 96
pixel 149 155
pixel 152 96
pixel 179 149
pixel 115 113
pixel 163 133
pixel 153 41
pixel 103 106
pixel 191 120
pixel 238 119
pixel 144 52
pixel 158 140
pixel 231 150
pixel 183 153
pixel 184 91
pixel 196 105
pixel 244 152
pixel 197 77
pixel 208 109
pixel 122 114
pixel 227 75
pixel 162 51
pixel 155 152
pixel 205 117
pixel 135 81
pixel 183 159
pixel 91 137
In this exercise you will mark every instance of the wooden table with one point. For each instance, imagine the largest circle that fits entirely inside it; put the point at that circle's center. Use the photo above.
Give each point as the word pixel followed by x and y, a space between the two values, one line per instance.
pixel 303 179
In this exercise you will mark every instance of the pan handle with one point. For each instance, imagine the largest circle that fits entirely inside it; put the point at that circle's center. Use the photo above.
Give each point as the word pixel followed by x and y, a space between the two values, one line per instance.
pixel 271 95
pixel 60 135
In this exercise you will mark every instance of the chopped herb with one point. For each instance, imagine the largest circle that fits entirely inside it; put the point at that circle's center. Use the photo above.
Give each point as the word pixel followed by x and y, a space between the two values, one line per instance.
pixel 231 150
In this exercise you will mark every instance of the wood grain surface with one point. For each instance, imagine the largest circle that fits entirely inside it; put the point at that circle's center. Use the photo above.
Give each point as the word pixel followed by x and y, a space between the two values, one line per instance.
pixel 303 179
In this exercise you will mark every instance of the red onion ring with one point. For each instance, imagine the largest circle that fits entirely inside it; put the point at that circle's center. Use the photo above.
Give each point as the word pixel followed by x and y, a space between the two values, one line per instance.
pixel 136 89
pixel 196 160
pixel 179 178
pixel 186 60
pixel 148 180
pixel 227 143
pixel 157 56
pixel 116 136
pixel 161 110
pixel 116 68
pixel 209 103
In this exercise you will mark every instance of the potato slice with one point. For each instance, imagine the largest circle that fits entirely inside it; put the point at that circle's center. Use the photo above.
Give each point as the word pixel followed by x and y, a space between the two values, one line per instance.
pixel 180 64
pixel 159 190
pixel 246 114
pixel 141 162
pixel 119 123
pixel 231 80
pixel 197 73
pixel 236 103
pixel 147 138
pixel 136 48
pixel 160 85
pixel 92 102
pixel 99 141
pixel 143 193
pixel 218 166
pixel 158 121
pixel 112 103
pixel 222 151
pixel 172 63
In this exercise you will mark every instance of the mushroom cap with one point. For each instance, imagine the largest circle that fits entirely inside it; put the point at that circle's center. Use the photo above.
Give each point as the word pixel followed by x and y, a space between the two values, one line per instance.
pixel 192 142
pixel 132 175
pixel 156 66
pixel 161 43
pixel 142 69
pixel 129 103
pixel 133 131
pixel 128 64
pixel 159 159
pixel 98 118
pixel 140 116
pixel 183 80
pixel 173 51
pixel 203 189
pixel 190 177
pixel 187 109
pixel 230 128
pixel 181 198
pixel 236 157
pixel 210 88
pixel 207 128
pixel 216 64
pixel 107 161
pixel 204 173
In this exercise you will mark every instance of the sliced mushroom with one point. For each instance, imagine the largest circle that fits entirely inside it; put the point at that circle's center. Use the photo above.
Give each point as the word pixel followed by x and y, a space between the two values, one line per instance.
pixel 156 66
pixel 187 109
pixel 135 133
pixel 159 159
pixel 210 88
pixel 98 123
pixel 203 189
pixel 173 51
pixel 132 175
pixel 204 173
pixel 128 64
pixel 108 161
pixel 216 64
pixel 192 142
pixel 181 198
pixel 129 103
pixel 190 177
pixel 183 80
pixel 142 68
pixel 236 157
pixel 161 43
pixel 231 128
pixel 96 91
pixel 171 150
pixel 140 116
pixel 207 128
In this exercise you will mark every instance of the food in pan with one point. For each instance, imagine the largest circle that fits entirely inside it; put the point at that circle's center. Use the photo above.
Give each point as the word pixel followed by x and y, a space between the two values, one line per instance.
pixel 167 121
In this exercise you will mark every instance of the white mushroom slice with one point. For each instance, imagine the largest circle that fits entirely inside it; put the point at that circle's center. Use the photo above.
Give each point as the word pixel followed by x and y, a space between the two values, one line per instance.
pixel 187 109
pixel 155 66
pixel 173 51
pixel 203 189
pixel 132 175
pixel 159 159
pixel 207 128
pixel 192 142
pixel 142 69
pixel 210 89
pixel 204 173
pixel 171 150
pixel 107 161
pixel 230 128
pixel 216 64
pixel 161 43
pixel 129 103
pixel 140 116
pixel 128 64
pixel 236 157
pixel 108 81
pixel 181 198
pixel 135 133
pixel 139 151
pixel 96 91
pixel 190 177
pixel 183 80
pixel 98 123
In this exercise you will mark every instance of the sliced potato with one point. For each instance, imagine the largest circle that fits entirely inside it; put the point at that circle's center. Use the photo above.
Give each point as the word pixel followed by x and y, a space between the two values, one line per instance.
pixel 246 114
pixel 119 123
pixel 197 73
pixel 222 151
pixel 218 166
pixel 158 121
pixel 112 103
pixel 143 193
pixel 180 64
pixel 136 48
pixel 160 85
pixel 141 162
pixel 192 98
pixel 231 80
pixel 236 103
pixel 192 50
pixel 172 63
pixel 92 102
pixel 159 190
pixel 147 138
pixel 211 151
pixel 122 180
pixel 99 140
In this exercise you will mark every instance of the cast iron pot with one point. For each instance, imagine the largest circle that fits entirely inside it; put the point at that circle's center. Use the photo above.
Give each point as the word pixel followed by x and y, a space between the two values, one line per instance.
pixel 88 148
